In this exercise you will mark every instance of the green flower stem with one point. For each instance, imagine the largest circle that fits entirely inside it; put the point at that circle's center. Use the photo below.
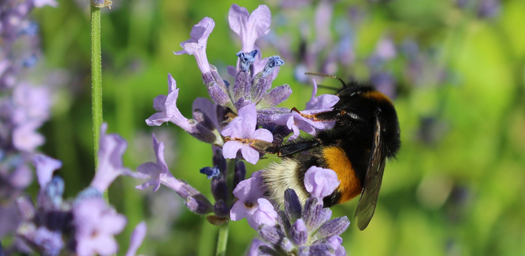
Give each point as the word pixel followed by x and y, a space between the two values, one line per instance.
pixel 96 78
pixel 96 81
pixel 222 239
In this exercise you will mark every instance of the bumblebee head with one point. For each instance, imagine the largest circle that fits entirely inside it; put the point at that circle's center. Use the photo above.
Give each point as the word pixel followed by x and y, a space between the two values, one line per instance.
pixel 361 105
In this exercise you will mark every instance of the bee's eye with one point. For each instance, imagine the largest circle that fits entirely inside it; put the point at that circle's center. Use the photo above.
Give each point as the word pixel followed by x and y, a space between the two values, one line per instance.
pixel 354 116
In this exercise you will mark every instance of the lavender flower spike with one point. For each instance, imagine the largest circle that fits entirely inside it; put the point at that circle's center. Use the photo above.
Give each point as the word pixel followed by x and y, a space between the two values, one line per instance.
pixel 311 234
pixel 320 182
pixel 241 131
pixel 249 27
pixel 111 149
pixel 196 45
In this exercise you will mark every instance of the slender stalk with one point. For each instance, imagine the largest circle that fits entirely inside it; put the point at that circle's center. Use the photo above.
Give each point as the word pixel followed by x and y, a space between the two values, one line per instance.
pixel 96 82
pixel 222 239
pixel 96 78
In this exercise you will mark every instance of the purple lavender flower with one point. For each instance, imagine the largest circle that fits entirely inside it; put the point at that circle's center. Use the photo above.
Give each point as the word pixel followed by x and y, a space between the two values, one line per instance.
pixel 111 149
pixel 241 132
pixel 136 238
pixel 253 75
pixel 158 173
pixel 248 192
pixel 249 27
pixel 96 224
pixel 385 49
pixel 304 230
pixel 265 213
pixel 42 3
pixel 204 125
pixel 31 103
pixel 305 120
pixel 320 182
pixel 167 107
pixel 196 45
pixel 26 138
pixel 45 166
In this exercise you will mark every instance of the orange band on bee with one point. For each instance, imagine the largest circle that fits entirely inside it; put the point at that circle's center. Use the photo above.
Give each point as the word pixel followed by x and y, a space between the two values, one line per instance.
pixel 337 160
pixel 377 96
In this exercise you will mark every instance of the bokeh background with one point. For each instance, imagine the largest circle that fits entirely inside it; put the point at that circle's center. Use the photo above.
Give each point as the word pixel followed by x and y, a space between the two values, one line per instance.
pixel 455 70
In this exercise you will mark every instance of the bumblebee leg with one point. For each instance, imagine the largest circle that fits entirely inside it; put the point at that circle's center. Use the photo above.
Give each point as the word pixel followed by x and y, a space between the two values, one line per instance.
pixel 296 147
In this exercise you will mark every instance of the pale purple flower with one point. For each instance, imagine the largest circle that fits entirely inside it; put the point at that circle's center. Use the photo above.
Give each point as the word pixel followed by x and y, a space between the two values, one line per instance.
pixel 202 127
pixel 167 107
pixel 320 182
pixel 45 166
pixel 385 49
pixel 96 224
pixel 248 192
pixel 249 27
pixel 242 132
pixel 321 103
pixel 196 45
pixel 31 103
pixel 157 173
pixel 110 166
pixel 21 177
pixel 26 138
pixel 138 235
pixel 42 3
pixel 265 214
pixel 303 120
pixel 323 20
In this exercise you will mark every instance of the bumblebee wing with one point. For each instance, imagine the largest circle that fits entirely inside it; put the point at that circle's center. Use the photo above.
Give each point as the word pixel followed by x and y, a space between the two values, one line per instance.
pixel 374 176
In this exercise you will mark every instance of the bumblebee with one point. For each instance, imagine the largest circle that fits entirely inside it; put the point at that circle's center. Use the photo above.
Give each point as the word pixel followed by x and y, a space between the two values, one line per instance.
pixel 365 134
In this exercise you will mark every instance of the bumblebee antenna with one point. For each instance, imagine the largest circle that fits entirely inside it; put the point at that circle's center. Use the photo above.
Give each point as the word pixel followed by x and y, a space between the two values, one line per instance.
pixel 326 75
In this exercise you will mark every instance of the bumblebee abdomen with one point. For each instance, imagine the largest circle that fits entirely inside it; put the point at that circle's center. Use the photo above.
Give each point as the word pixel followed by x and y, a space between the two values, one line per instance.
pixel 336 159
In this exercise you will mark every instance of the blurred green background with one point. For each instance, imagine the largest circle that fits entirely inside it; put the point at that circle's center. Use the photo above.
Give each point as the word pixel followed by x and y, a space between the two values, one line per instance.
pixel 456 187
